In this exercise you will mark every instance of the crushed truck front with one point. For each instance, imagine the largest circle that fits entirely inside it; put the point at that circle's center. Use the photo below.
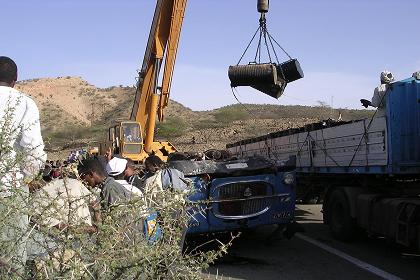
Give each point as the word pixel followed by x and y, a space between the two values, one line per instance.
pixel 238 194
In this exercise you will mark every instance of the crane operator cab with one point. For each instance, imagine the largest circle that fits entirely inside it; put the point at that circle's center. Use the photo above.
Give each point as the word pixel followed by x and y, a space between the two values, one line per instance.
pixel 126 140
pixel 131 132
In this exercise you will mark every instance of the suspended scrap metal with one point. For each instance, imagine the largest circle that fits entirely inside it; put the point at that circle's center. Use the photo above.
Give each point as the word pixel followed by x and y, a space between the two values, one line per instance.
pixel 269 77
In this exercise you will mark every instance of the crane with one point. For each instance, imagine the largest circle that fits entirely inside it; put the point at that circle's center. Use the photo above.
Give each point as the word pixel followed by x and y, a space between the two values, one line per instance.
pixel 135 138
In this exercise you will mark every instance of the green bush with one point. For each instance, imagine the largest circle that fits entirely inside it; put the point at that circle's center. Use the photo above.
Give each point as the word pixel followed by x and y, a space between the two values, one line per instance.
pixel 230 114
pixel 171 127
pixel 78 131
pixel 208 123
pixel 72 132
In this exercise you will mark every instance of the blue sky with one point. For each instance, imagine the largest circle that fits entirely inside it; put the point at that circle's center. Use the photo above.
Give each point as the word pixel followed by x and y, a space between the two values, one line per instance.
pixel 342 45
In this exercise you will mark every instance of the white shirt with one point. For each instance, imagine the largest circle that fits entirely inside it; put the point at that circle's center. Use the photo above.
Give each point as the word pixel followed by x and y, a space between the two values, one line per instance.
pixel 153 186
pixel 379 99
pixel 130 187
pixel 53 202
pixel 20 130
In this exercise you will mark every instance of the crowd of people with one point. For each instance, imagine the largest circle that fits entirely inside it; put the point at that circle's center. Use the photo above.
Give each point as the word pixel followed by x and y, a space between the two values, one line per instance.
pixel 102 181
pixel 94 184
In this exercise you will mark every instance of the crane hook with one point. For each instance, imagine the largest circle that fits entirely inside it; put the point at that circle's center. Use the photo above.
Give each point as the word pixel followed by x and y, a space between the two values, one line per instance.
pixel 262 6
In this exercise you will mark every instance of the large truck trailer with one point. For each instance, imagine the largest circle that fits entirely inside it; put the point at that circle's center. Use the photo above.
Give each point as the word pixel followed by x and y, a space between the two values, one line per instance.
pixel 365 172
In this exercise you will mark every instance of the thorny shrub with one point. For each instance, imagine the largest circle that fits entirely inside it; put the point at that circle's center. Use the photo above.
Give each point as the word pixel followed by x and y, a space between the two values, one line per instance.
pixel 118 249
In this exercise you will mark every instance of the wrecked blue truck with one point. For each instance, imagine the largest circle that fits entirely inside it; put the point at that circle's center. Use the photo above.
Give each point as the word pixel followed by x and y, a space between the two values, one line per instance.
pixel 233 195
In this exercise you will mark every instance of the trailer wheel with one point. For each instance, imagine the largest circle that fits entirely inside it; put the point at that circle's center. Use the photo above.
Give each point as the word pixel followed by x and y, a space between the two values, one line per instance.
pixel 342 225
pixel 418 238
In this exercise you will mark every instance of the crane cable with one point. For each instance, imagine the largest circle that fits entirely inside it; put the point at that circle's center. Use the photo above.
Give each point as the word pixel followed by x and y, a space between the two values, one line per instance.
pixel 263 33
pixel 249 111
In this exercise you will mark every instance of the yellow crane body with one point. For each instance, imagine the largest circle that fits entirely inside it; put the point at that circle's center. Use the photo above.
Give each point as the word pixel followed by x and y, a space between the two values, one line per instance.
pixel 134 139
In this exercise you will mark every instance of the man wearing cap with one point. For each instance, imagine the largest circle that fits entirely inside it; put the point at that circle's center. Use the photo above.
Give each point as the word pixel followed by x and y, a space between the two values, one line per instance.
pixel 116 168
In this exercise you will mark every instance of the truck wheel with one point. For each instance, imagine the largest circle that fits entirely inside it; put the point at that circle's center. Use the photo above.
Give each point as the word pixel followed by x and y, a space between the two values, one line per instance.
pixel 342 225
pixel 418 238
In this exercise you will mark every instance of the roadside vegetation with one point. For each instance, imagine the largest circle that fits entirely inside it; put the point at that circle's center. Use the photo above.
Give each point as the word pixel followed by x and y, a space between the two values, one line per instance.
pixel 171 127
pixel 121 245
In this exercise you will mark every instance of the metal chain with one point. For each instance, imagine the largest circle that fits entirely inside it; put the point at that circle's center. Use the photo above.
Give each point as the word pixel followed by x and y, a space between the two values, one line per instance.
pixel 268 41
pixel 249 44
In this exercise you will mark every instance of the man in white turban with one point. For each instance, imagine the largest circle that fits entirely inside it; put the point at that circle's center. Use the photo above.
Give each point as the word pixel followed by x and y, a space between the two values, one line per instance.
pixel 379 94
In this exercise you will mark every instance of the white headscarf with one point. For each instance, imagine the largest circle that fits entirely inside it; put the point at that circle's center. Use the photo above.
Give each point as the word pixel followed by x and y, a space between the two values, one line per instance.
pixel 386 77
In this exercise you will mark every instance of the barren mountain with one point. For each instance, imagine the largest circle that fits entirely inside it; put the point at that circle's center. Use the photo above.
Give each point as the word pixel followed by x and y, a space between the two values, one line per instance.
pixel 72 100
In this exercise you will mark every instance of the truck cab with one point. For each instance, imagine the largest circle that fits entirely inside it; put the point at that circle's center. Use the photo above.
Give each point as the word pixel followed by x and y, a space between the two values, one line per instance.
pixel 232 195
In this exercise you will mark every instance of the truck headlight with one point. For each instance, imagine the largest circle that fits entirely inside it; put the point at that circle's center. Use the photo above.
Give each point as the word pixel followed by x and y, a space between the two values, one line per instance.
pixel 288 178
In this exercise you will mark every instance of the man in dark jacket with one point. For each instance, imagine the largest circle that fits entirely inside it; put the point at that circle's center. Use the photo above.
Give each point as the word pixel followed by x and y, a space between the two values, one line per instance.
pixel 112 194
pixel 92 172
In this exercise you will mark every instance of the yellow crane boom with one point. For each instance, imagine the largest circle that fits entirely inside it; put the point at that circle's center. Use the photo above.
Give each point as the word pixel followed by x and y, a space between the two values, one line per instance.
pixel 151 97
pixel 134 138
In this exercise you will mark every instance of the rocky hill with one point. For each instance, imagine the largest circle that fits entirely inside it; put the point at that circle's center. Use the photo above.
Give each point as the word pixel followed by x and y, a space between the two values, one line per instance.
pixel 72 110
pixel 71 101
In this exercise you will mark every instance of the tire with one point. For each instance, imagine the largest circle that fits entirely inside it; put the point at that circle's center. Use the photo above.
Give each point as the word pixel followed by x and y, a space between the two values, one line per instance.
pixel 418 238
pixel 342 225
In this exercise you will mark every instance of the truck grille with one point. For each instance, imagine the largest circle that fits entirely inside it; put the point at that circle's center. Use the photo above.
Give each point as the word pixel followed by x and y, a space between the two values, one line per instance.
pixel 247 204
